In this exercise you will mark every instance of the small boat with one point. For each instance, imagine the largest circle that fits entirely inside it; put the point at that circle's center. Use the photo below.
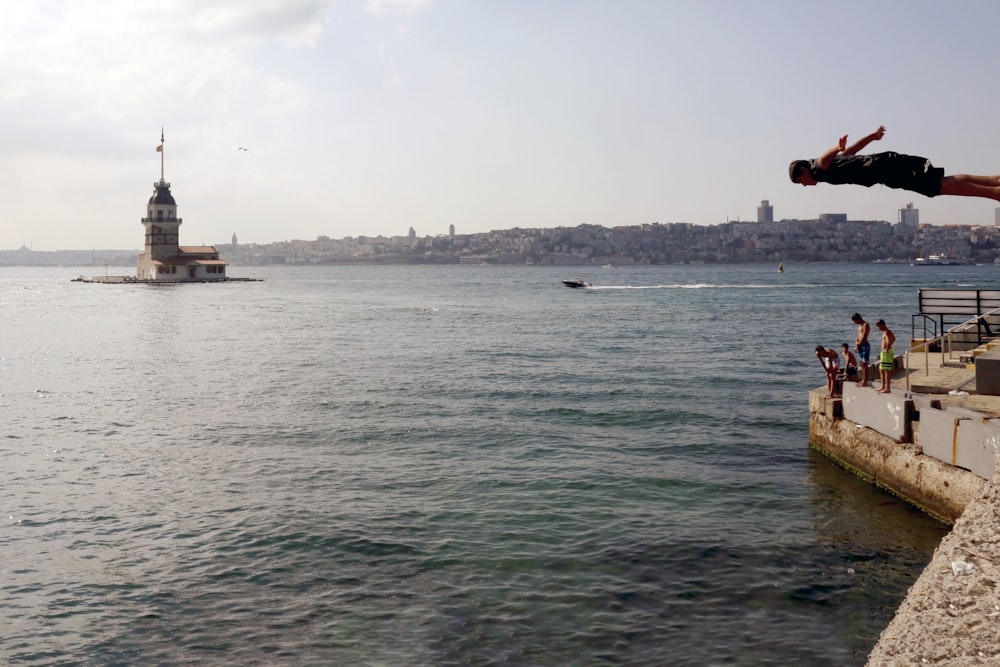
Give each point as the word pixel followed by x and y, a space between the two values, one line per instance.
pixel 576 283
pixel 943 260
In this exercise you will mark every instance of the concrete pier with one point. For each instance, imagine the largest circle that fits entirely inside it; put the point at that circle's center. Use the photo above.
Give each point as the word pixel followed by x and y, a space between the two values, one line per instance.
pixel 938 448
pixel 951 615
pixel 941 490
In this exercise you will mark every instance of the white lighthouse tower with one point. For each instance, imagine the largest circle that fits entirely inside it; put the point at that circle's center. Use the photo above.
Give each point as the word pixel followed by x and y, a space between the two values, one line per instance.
pixel 164 259
pixel 162 225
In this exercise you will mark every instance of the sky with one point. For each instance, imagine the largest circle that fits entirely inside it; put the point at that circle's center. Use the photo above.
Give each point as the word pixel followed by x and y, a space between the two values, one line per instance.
pixel 369 117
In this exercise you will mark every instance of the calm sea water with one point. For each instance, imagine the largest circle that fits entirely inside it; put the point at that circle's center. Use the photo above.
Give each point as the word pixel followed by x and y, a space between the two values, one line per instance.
pixel 442 466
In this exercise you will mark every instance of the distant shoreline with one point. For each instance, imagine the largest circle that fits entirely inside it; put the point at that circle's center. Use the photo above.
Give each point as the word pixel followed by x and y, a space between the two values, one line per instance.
pixel 623 263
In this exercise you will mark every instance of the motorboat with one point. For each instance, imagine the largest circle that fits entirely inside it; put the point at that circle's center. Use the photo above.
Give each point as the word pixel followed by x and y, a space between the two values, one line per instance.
pixel 576 283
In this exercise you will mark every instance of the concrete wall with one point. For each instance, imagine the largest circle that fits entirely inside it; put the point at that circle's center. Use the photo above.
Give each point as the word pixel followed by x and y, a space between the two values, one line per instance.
pixel 961 438
pixel 940 489
pixel 988 373
pixel 889 414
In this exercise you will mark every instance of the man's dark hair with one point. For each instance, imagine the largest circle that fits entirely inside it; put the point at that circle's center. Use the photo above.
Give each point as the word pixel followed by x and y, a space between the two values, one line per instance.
pixel 796 168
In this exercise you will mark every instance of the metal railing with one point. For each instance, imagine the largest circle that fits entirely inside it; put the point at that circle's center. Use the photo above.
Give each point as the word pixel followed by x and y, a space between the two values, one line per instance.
pixel 947 340
pixel 981 325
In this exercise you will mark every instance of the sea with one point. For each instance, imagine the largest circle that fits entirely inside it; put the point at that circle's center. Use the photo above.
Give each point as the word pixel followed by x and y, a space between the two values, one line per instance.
pixel 443 465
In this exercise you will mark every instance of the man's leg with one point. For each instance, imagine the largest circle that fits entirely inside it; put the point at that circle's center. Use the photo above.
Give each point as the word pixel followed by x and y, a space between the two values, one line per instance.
pixel 863 352
pixel 989 181
pixel 966 185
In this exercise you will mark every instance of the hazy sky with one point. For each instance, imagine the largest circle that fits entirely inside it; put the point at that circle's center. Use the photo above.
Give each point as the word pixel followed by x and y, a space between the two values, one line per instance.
pixel 367 117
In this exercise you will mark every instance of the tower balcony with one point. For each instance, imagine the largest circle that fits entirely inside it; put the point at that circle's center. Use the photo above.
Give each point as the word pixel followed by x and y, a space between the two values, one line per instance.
pixel 161 221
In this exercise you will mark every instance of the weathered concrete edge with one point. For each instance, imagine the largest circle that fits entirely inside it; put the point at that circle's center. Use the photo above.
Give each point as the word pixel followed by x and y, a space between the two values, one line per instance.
pixel 949 618
pixel 945 618
pixel 941 490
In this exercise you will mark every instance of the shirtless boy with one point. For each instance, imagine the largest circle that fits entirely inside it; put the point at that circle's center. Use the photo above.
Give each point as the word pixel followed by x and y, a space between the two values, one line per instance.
pixel 850 362
pixel 831 364
pixel 862 347
pixel 886 359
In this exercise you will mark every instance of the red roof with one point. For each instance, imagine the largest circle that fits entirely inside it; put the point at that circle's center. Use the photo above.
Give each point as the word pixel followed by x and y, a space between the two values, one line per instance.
pixel 181 260
pixel 198 249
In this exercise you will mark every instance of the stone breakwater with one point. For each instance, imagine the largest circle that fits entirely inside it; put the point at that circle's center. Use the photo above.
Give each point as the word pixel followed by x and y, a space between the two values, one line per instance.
pixel 941 455
pixel 951 615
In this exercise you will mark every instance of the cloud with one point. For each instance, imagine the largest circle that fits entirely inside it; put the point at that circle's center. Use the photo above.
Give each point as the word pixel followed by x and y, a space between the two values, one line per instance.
pixel 95 64
pixel 396 6
pixel 293 22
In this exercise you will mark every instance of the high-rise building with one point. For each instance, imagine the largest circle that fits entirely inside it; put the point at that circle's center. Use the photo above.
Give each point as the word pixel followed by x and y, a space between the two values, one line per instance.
pixel 909 216
pixel 765 212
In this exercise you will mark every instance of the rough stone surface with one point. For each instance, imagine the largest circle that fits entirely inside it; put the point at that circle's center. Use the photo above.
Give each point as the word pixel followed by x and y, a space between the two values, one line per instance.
pixel 950 618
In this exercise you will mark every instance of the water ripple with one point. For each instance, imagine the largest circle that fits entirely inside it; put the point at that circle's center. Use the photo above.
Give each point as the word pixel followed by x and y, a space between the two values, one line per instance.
pixel 436 466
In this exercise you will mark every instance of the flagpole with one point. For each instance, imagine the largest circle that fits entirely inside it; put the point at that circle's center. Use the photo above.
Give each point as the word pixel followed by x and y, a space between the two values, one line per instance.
pixel 161 153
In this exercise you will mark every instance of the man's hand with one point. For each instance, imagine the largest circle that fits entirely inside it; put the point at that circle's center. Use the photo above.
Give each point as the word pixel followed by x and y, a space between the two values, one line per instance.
pixel 862 142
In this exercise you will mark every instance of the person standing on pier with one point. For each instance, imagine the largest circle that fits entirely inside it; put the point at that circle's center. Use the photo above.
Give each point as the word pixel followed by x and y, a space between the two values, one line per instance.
pixel 862 347
pixel 831 364
pixel 886 359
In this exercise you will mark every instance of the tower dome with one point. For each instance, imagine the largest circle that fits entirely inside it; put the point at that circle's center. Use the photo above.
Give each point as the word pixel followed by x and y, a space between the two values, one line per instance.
pixel 162 195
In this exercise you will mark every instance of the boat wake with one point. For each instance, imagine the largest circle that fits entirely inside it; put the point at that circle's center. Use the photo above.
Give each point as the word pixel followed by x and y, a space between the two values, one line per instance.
pixel 692 286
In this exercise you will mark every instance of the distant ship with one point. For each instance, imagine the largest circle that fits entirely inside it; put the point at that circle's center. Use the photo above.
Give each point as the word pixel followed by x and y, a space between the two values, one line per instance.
pixel 942 260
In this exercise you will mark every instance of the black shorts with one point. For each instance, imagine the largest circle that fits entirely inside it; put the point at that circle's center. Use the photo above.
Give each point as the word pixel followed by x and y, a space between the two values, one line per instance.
pixel 910 172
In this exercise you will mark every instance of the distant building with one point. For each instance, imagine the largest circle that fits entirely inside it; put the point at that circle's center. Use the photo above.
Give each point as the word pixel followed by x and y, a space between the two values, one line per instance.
pixel 765 212
pixel 833 217
pixel 234 240
pixel 909 217
pixel 996 217
pixel 164 259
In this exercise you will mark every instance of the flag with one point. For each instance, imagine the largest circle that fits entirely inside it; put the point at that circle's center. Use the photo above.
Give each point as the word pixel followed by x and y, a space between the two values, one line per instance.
pixel 159 149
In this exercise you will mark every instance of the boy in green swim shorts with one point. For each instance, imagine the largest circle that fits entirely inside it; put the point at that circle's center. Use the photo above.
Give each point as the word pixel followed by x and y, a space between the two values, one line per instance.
pixel 887 362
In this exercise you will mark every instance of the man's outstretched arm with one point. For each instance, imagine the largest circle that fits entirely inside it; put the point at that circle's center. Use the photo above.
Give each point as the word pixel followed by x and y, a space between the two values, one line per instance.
pixel 864 141
pixel 826 158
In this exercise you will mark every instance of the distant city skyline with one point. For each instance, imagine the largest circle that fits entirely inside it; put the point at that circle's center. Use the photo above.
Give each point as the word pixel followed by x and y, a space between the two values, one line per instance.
pixel 830 238
pixel 908 215
pixel 367 117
